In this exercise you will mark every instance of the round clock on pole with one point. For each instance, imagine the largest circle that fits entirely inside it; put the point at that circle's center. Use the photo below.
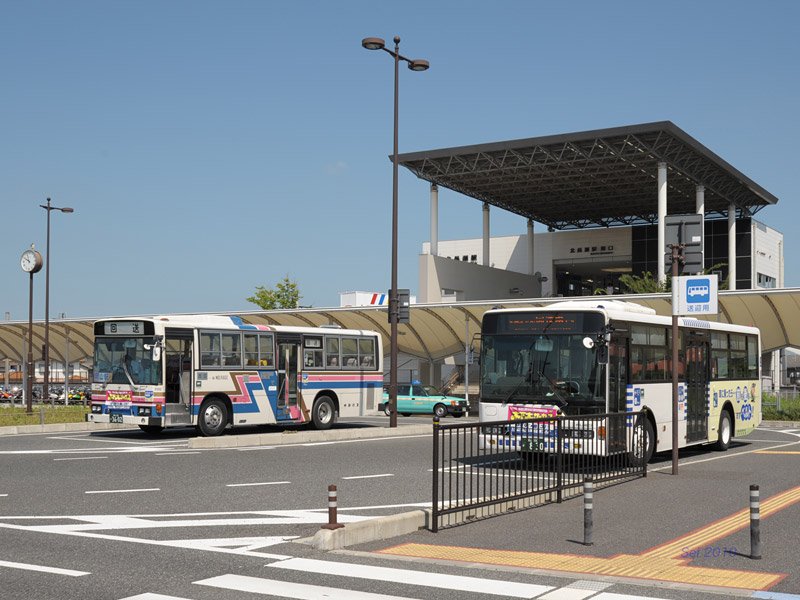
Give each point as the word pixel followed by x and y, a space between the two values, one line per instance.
pixel 31 261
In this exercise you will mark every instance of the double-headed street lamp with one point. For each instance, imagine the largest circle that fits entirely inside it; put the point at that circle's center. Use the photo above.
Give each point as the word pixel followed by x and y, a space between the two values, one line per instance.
pixel 373 43
pixel 46 384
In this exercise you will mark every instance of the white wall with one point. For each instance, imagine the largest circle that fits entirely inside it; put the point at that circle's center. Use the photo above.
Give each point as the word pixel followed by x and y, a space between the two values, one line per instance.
pixel 767 253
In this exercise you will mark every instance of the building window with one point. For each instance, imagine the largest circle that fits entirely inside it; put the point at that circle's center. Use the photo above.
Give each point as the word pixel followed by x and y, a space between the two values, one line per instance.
pixel 765 281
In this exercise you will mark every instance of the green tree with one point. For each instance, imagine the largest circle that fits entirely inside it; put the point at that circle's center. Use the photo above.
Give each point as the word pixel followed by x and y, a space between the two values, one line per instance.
pixel 648 284
pixel 285 294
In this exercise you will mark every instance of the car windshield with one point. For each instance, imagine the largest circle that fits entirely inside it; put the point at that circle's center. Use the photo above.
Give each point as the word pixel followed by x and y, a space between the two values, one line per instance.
pixel 125 360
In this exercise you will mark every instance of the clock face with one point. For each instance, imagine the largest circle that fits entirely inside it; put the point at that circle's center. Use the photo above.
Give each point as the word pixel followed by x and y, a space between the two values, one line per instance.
pixel 31 261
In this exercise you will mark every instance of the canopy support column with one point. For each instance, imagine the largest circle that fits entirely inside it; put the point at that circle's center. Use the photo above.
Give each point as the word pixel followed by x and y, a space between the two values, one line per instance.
pixel 530 247
pixel 662 218
pixel 731 246
pixel 486 235
pixel 434 220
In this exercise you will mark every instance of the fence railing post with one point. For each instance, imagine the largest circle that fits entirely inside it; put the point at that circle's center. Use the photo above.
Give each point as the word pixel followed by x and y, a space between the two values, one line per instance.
pixel 435 478
pixel 559 465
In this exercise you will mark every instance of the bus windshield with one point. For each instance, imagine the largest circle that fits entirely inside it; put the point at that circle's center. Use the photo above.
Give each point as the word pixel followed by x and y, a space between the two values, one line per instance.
pixel 125 360
pixel 544 369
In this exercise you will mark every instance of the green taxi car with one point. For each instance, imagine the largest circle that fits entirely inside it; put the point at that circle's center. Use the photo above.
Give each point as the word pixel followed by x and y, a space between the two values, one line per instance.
pixel 415 398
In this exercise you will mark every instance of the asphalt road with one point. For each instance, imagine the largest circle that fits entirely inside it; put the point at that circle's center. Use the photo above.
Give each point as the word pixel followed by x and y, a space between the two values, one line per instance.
pixel 121 515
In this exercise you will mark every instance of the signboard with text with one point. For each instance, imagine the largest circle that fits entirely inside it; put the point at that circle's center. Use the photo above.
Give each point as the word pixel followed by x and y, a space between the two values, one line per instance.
pixel 695 295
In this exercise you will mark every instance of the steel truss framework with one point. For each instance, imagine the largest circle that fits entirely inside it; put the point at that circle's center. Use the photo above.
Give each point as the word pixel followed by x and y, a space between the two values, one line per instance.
pixel 596 178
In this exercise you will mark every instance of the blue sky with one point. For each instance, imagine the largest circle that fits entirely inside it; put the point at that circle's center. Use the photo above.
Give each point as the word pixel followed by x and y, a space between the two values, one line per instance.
pixel 210 147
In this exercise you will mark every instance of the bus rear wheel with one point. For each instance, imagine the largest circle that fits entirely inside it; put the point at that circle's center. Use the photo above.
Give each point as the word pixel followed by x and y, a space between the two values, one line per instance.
pixel 725 431
pixel 213 418
pixel 323 415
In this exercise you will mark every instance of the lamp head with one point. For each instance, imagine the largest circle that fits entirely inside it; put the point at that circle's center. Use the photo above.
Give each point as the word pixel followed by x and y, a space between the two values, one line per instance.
pixel 373 43
pixel 67 209
pixel 419 64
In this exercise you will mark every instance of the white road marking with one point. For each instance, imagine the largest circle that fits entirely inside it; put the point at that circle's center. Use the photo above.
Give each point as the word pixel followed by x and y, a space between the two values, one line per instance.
pixel 3 495
pixel 122 491
pixel 436 580
pixel 81 458
pixel 178 453
pixel 262 483
pixel 369 476
pixel 286 589
pixel 149 596
pixel 42 569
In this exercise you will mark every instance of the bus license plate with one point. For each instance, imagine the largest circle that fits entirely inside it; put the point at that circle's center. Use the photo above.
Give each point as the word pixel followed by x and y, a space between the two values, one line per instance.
pixel 529 445
pixel 115 418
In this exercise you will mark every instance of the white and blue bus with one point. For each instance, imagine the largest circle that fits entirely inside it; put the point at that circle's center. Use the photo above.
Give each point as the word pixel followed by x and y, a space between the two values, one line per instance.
pixel 213 371
pixel 595 357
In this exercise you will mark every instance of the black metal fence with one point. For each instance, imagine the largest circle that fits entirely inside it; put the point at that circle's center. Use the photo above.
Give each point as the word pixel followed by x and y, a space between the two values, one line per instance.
pixel 485 469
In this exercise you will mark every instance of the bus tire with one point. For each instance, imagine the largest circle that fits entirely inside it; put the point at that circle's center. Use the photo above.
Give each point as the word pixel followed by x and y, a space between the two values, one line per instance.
pixel 725 431
pixel 323 415
pixel 151 429
pixel 387 409
pixel 213 418
pixel 440 410
pixel 638 457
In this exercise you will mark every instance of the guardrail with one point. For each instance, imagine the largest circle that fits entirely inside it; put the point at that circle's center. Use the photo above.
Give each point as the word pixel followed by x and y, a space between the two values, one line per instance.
pixel 487 469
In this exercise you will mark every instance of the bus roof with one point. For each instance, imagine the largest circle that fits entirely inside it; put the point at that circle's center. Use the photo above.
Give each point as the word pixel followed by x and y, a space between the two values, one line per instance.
pixel 628 311
pixel 234 322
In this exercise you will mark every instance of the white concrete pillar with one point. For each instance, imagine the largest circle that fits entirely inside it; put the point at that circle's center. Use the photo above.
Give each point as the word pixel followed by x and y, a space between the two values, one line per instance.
pixel 700 209
pixel 731 246
pixel 486 235
pixel 700 200
pixel 434 220
pixel 531 270
pixel 662 217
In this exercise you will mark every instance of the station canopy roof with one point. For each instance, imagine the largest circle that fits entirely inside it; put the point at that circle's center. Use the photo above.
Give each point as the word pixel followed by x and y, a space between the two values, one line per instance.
pixel 597 178
pixel 436 331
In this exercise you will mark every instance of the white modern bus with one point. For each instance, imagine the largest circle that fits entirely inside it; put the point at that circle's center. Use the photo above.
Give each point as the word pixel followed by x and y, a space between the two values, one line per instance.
pixel 212 371
pixel 594 357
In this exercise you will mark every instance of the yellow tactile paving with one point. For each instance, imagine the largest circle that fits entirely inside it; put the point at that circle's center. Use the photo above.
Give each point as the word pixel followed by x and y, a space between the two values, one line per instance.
pixel 624 565
pixel 777 452
pixel 724 527
pixel 663 562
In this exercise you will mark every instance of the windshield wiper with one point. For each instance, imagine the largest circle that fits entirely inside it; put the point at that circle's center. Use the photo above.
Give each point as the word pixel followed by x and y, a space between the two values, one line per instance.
pixel 127 373
pixel 562 402
pixel 527 377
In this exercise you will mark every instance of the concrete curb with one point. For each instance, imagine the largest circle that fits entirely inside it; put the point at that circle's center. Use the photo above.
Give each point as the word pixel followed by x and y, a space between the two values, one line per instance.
pixel 371 530
pixel 58 428
pixel 303 436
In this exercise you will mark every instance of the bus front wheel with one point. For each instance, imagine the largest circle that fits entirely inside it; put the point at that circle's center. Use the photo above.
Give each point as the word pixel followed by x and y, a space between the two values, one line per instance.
pixel 644 438
pixel 324 413
pixel 725 431
pixel 213 418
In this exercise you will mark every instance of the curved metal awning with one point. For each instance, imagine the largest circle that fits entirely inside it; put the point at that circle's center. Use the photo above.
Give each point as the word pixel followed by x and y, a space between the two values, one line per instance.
pixel 436 331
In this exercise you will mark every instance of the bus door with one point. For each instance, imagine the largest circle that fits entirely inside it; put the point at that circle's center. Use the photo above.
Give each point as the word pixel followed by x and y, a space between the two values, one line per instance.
pixel 617 369
pixel 697 364
pixel 288 369
pixel 178 360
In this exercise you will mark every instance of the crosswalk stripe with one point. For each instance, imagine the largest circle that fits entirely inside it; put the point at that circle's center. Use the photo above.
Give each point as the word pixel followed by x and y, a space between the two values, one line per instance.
pixel 42 569
pixel 437 580
pixel 287 589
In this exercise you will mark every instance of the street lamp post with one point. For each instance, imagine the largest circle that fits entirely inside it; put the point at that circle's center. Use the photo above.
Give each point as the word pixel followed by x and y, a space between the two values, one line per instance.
pixel 373 43
pixel 46 383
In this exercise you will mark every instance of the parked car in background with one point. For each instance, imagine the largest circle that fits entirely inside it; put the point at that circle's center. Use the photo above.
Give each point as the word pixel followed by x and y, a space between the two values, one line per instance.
pixel 415 398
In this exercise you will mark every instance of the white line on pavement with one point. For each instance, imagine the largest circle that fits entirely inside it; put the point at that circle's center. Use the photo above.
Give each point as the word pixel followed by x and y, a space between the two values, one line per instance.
pixel 262 483
pixel 81 458
pixel 42 569
pixel 437 580
pixel 122 491
pixel 369 476
pixel 286 589
pixel 178 453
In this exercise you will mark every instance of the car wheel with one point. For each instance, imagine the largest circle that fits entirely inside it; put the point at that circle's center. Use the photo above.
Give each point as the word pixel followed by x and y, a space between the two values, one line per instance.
pixel 213 418
pixel 440 410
